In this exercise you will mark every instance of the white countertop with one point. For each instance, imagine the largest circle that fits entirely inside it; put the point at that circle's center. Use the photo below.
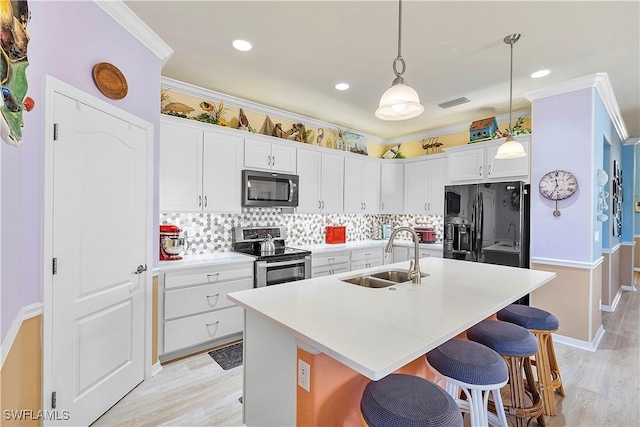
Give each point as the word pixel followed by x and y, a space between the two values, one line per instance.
pixel 361 244
pixel 203 260
pixel 376 331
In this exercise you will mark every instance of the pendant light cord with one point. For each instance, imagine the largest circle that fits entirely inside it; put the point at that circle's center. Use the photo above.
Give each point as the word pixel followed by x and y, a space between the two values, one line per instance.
pixel 399 58
pixel 511 42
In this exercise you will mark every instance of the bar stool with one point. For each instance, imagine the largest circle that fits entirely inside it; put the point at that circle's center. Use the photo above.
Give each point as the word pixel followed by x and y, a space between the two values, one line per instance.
pixel 516 345
pixel 479 372
pixel 541 324
pixel 400 400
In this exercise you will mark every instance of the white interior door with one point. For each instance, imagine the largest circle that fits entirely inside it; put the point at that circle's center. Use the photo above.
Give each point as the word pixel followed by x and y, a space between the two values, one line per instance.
pixel 100 237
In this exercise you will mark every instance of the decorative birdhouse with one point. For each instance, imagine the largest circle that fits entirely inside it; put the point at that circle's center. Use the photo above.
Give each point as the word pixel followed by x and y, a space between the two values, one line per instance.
pixel 482 129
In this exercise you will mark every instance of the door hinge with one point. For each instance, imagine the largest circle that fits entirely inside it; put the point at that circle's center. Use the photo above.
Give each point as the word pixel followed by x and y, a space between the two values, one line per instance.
pixel 55 131
pixel 53 400
pixel 55 266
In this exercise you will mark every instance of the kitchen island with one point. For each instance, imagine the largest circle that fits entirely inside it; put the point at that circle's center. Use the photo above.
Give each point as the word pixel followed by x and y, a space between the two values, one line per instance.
pixel 350 334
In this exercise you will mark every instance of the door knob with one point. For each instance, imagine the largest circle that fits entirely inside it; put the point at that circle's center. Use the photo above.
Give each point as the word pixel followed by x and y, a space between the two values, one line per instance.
pixel 141 269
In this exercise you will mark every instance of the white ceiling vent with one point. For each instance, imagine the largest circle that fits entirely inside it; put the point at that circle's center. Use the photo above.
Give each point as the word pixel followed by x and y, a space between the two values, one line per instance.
pixel 454 102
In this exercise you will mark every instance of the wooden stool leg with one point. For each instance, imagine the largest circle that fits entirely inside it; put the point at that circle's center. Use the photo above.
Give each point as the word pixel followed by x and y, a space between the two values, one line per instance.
pixel 554 369
pixel 520 372
pixel 548 374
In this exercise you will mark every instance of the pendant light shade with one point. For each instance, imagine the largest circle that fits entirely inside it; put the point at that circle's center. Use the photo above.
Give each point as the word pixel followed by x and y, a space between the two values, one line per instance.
pixel 400 101
pixel 510 148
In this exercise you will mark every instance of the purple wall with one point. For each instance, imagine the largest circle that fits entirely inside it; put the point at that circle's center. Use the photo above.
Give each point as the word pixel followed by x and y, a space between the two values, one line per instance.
pixel 67 40
pixel 563 132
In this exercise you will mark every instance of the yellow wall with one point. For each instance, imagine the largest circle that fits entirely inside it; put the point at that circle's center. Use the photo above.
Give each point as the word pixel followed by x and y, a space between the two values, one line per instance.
pixel 20 377
pixel 256 120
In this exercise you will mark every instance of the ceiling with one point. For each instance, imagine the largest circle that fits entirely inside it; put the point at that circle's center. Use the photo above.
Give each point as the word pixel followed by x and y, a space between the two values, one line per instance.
pixel 301 49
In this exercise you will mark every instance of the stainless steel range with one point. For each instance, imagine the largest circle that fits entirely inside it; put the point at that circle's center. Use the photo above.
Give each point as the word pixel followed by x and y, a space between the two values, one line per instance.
pixel 275 262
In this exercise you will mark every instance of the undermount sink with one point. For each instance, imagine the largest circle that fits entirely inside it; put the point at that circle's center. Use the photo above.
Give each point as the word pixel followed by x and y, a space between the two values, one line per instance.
pixel 381 279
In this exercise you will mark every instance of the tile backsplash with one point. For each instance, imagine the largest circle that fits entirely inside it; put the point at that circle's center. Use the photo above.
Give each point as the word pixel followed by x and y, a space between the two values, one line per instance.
pixel 211 232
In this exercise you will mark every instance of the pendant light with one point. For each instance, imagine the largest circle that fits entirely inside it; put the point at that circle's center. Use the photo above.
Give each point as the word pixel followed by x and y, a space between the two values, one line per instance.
pixel 400 101
pixel 510 148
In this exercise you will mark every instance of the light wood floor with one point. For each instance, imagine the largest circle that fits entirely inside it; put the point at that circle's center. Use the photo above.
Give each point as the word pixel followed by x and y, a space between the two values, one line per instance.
pixel 602 387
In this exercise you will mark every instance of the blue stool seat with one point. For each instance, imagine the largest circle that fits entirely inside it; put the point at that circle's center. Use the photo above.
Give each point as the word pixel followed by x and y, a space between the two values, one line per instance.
pixel 477 372
pixel 529 317
pixel 469 362
pixel 505 338
pixel 406 400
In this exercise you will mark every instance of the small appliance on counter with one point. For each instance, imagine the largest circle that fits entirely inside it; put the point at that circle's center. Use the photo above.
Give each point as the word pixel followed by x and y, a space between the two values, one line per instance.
pixel 426 234
pixel 387 229
pixel 336 234
pixel 171 244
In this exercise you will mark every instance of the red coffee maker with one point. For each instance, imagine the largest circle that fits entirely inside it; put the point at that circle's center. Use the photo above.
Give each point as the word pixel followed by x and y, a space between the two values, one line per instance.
pixel 171 244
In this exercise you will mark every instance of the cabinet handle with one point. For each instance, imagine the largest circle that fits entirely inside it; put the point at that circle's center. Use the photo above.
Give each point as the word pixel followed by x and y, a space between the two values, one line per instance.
pixel 269 160
pixel 429 206
pixel 319 204
pixel 480 171
pixel 213 274
pixel 425 206
pixel 211 324
pixel 365 206
pixel 331 259
pixel 274 160
pixel 367 254
pixel 199 201
pixel 205 201
pixel 213 296
pixel 489 170
pixel 323 204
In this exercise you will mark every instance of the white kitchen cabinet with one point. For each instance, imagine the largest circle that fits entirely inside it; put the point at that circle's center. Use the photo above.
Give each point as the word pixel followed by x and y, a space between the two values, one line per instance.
pixel 320 182
pixel 391 188
pixel 361 185
pixel 424 186
pixel 400 253
pixel 425 253
pixel 259 154
pixel 477 162
pixel 328 263
pixel 366 258
pixel 193 164
pixel 194 310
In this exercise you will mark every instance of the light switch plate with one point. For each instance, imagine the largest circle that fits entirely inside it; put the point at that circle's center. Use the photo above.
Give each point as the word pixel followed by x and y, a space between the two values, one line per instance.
pixel 596 235
pixel 304 375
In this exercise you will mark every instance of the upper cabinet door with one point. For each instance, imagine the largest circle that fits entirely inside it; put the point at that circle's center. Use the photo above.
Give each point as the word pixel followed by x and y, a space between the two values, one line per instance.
pixel 353 185
pixel 466 165
pixel 507 168
pixel 309 184
pixel 437 177
pixel 180 168
pixel 416 182
pixel 283 158
pixel 371 186
pixel 392 188
pixel 222 173
pixel 332 183
pixel 257 154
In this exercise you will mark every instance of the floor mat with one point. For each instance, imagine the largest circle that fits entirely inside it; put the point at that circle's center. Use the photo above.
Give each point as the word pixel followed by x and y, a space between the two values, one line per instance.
pixel 228 357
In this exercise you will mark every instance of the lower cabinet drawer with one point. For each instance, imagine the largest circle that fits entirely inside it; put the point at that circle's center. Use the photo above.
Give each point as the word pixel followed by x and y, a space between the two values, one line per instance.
pixel 198 299
pixel 194 330
pixel 329 270
pixel 330 259
pixel 208 275
pixel 366 254
pixel 359 265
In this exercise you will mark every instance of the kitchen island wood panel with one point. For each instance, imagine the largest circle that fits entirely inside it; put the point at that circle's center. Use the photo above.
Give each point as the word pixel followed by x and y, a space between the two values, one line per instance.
pixel 373 332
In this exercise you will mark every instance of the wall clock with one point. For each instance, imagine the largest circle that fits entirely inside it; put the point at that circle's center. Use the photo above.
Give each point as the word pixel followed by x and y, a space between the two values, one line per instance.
pixel 558 185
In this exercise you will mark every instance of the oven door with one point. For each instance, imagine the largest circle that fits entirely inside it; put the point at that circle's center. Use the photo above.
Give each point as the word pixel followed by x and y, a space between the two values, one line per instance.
pixel 276 272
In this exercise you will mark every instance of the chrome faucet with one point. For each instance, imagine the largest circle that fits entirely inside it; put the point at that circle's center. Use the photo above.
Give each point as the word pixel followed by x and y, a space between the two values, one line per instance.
pixel 514 233
pixel 414 267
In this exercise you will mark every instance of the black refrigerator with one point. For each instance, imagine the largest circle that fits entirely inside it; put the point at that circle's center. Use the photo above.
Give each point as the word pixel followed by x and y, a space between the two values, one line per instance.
pixel 487 222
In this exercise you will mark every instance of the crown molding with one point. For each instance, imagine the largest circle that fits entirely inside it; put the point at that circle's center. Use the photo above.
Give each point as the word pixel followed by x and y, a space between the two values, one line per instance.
pixel 199 92
pixel 602 84
pixel 632 141
pixel 461 127
pixel 124 16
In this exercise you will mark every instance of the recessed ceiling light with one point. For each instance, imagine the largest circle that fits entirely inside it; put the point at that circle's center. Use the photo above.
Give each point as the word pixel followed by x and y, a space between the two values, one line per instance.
pixel 242 45
pixel 540 73
pixel 342 86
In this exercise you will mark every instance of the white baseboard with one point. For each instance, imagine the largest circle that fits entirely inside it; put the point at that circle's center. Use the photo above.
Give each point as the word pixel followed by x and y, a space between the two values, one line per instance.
pixel 583 345
pixel 629 288
pixel 156 368
pixel 26 312
pixel 611 308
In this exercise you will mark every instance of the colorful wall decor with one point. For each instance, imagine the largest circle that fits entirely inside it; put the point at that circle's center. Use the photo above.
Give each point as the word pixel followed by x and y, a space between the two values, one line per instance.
pixel 14 16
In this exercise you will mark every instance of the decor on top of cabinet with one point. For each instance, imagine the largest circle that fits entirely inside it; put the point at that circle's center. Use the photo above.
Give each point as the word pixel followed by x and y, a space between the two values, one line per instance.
pixel 177 109
pixel 393 153
pixel 431 145
pixel 481 130
pixel 267 127
pixel 14 16
pixel 320 137
pixel 354 143
pixel 213 113
pixel 518 129
pixel 243 122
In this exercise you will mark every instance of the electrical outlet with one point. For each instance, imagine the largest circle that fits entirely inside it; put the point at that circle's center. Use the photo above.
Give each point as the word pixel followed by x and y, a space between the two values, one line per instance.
pixel 304 375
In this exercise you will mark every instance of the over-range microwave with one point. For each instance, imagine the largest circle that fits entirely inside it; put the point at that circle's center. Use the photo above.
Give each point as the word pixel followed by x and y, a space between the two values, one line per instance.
pixel 269 189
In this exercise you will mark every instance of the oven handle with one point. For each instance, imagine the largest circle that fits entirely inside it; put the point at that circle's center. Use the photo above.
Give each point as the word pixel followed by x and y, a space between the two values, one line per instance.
pixel 279 264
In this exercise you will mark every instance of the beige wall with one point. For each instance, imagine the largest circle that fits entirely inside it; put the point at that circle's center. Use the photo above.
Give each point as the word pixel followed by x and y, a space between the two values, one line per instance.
pixel 20 377
pixel 573 297
pixel 627 256
pixel 610 276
